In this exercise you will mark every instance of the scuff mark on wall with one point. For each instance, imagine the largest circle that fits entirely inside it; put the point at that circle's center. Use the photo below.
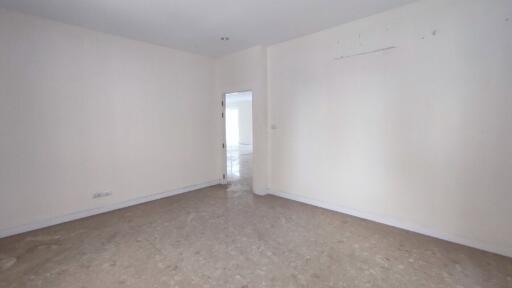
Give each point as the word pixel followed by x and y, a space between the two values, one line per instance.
pixel 365 53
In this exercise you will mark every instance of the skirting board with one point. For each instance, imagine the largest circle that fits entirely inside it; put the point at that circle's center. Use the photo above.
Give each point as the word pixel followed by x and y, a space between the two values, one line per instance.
pixel 90 212
pixel 392 222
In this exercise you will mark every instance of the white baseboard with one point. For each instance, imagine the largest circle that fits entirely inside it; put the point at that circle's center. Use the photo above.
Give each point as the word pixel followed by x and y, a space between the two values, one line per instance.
pixel 90 212
pixel 393 222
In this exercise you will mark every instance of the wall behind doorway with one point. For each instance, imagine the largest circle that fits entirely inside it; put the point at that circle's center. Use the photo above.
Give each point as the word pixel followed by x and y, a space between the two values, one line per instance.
pixel 243 71
pixel 242 103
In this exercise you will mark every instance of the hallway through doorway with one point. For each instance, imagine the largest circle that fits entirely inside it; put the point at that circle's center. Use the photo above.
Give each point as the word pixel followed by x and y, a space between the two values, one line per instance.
pixel 239 139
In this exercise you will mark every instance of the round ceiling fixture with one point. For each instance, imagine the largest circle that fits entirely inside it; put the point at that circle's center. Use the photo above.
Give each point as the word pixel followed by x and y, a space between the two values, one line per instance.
pixel 225 38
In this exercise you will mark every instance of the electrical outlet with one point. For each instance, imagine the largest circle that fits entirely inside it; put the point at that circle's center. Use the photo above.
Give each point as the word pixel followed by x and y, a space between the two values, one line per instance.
pixel 101 195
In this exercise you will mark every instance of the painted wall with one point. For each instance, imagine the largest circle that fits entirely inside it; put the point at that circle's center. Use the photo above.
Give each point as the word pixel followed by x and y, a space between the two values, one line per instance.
pixel 83 112
pixel 245 118
pixel 243 71
pixel 419 136
pixel 242 104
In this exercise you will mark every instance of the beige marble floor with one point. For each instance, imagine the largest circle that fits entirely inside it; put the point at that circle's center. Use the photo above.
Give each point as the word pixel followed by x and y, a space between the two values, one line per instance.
pixel 225 236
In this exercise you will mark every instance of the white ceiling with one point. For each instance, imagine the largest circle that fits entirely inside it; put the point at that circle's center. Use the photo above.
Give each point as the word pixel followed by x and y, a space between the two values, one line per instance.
pixel 197 25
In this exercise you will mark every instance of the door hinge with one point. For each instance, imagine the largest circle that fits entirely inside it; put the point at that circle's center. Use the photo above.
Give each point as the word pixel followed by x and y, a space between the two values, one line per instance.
pixel 223 176
pixel 223 145
pixel 222 103
pixel 222 115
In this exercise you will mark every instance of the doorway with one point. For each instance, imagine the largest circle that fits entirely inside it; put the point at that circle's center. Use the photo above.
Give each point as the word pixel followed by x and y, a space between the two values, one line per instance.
pixel 239 138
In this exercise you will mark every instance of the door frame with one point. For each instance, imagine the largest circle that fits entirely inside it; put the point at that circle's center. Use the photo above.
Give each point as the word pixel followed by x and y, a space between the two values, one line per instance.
pixel 224 132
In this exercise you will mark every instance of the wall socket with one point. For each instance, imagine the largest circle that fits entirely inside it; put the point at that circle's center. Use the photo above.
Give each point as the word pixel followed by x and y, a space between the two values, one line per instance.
pixel 101 195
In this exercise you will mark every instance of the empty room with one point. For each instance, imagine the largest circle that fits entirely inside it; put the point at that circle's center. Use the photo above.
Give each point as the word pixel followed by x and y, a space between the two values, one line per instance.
pixel 256 143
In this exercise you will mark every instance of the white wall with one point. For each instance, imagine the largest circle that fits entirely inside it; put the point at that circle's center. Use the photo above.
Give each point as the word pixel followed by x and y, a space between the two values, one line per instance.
pixel 419 136
pixel 245 120
pixel 83 112
pixel 243 71
pixel 232 127
pixel 242 102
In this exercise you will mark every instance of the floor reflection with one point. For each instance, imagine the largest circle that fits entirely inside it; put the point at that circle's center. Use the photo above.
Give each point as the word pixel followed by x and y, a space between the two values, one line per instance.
pixel 239 166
